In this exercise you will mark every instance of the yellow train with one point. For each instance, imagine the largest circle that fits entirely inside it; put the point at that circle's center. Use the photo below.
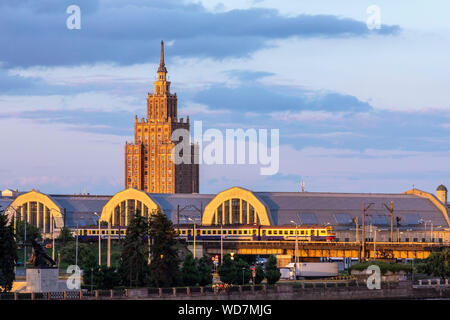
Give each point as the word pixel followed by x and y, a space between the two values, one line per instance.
pixel 227 232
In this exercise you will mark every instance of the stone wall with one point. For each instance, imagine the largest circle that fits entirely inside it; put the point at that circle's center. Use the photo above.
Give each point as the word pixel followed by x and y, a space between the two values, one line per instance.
pixel 399 290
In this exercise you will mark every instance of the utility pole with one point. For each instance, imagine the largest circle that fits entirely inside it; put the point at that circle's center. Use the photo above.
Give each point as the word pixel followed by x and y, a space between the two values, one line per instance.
pixel 398 228
pixel 99 243
pixel 296 247
pixel 53 238
pixel 149 259
pixel 178 218
pixel 108 261
pixel 25 242
pixel 76 247
pixel 391 210
pixel 363 240
pixel 375 243
pixel 195 234
pixel 221 244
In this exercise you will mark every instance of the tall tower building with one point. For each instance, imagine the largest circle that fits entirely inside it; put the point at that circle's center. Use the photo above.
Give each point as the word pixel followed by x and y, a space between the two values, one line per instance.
pixel 148 161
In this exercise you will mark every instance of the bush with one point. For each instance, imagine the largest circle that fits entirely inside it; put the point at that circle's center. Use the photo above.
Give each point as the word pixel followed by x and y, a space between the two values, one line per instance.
pixel 437 264
pixel 259 275
pixel 189 271
pixel 272 272
pixel 384 267
pixel 86 259
pixel 204 270
pixel 104 278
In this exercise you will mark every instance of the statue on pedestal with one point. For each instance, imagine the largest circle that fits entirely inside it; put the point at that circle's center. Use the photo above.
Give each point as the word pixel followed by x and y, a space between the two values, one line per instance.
pixel 40 258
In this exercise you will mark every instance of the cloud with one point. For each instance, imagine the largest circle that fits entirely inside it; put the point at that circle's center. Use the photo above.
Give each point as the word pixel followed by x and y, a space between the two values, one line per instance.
pixel 129 33
pixel 306 116
pixel 254 96
pixel 192 108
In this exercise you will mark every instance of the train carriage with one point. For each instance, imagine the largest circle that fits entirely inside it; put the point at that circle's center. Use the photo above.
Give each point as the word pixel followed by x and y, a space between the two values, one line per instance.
pixel 226 233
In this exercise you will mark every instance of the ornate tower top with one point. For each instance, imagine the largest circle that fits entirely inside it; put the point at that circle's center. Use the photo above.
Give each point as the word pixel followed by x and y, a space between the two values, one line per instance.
pixel 162 66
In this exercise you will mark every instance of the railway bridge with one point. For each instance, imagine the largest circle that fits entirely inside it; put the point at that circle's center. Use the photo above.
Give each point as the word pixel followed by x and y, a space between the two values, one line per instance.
pixel 378 250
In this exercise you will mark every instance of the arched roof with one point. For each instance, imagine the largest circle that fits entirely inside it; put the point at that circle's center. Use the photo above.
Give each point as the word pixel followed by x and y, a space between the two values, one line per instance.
pixel 127 194
pixel 434 200
pixel 261 208
pixel 56 210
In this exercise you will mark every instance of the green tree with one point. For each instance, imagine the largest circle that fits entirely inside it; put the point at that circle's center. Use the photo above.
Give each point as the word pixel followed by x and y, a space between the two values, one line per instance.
pixel 104 278
pixel 32 232
pixel 437 264
pixel 65 236
pixel 227 271
pixel 86 258
pixel 164 254
pixel 189 271
pixel 243 272
pixel 272 272
pixel 259 275
pixel 204 271
pixel 133 266
pixel 8 254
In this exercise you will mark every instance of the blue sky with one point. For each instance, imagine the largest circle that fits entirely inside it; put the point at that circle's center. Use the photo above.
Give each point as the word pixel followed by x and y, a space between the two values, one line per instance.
pixel 358 110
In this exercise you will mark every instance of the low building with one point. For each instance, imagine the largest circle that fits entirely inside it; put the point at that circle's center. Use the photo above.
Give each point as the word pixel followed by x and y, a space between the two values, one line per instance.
pixel 417 216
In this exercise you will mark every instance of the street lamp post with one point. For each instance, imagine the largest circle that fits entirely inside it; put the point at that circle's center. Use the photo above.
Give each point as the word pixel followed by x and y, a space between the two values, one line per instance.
pixel 243 269
pixel 375 243
pixel 431 233
pixel 189 218
pixel 25 244
pixel 53 238
pixel 296 248
pixel 108 257
pixel 76 247
pixel 99 241
pixel 221 244
pixel 92 272
pixel 195 232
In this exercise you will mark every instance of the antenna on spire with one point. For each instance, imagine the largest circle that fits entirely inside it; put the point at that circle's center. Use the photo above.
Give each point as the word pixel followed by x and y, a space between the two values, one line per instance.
pixel 162 67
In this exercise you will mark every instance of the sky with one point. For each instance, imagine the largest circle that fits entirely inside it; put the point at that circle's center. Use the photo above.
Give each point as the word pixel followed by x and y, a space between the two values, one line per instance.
pixel 358 109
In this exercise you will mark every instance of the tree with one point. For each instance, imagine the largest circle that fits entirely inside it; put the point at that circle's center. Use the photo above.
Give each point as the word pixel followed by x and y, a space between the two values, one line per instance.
pixel 65 236
pixel 133 267
pixel 227 271
pixel 243 273
pixel 104 278
pixel 204 271
pixel 272 272
pixel 8 254
pixel 86 257
pixel 259 275
pixel 437 264
pixel 164 254
pixel 235 271
pixel 189 271
pixel 32 232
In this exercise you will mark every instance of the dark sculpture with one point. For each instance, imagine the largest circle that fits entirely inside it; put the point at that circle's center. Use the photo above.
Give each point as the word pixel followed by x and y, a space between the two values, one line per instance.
pixel 40 258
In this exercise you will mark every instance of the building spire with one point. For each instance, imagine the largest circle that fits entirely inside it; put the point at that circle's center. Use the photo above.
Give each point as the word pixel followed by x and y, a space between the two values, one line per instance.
pixel 162 66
